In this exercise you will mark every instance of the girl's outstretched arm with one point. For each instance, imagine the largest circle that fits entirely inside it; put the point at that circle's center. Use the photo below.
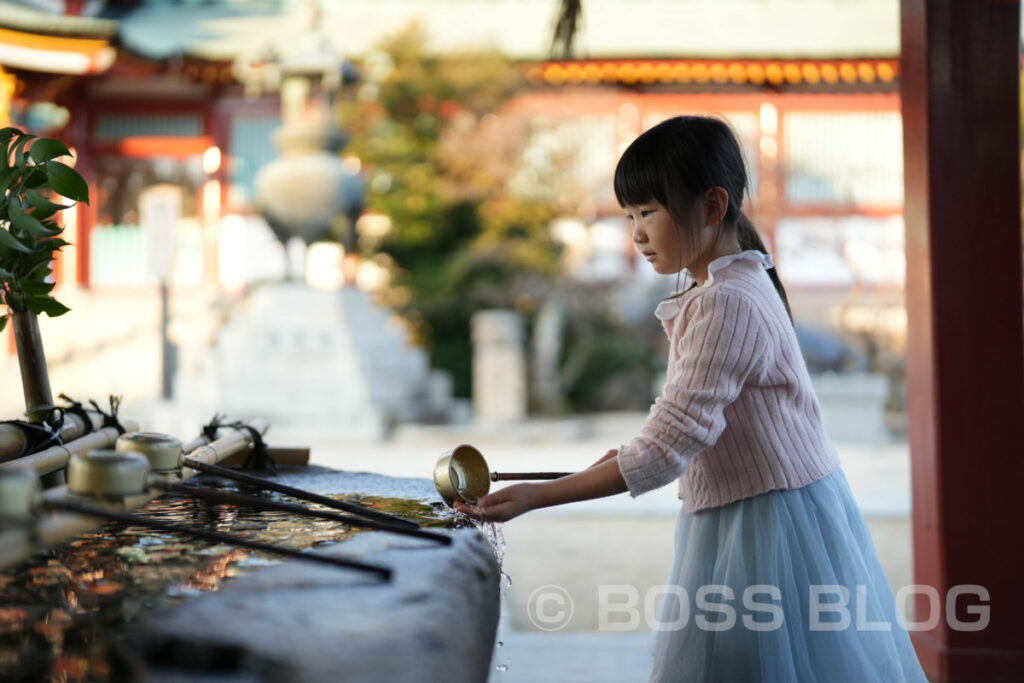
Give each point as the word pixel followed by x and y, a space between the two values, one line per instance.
pixel 599 480
pixel 607 456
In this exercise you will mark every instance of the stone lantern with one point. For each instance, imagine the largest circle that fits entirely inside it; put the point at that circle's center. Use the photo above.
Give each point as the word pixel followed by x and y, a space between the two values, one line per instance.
pixel 314 361
pixel 308 192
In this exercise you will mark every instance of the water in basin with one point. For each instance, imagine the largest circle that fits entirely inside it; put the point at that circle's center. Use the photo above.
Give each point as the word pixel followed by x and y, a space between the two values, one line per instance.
pixel 61 611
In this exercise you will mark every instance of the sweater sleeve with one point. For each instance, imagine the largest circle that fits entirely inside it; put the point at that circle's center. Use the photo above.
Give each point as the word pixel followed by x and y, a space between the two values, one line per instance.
pixel 722 344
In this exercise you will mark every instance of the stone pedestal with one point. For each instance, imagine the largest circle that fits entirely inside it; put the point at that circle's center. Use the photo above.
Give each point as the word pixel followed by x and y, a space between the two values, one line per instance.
pixel 434 621
pixel 546 350
pixel 315 362
pixel 499 367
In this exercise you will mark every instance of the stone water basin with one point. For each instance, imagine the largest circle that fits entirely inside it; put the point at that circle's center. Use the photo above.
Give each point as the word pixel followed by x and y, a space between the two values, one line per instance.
pixel 128 603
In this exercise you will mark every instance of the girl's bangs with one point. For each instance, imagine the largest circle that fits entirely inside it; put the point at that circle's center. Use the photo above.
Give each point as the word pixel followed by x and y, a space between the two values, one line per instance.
pixel 636 179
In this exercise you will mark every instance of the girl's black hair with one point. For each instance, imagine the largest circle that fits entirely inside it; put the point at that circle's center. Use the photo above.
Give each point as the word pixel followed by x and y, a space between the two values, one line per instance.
pixel 678 161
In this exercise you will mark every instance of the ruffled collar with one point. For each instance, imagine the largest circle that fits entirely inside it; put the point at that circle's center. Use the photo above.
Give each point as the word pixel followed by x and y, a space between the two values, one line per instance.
pixel 671 306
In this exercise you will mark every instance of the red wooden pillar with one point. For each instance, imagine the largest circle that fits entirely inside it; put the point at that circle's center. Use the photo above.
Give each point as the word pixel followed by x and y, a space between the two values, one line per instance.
pixel 965 365
pixel 87 213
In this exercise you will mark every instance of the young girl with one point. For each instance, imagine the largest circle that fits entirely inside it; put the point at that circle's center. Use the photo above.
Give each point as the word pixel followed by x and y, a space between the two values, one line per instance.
pixel 775 577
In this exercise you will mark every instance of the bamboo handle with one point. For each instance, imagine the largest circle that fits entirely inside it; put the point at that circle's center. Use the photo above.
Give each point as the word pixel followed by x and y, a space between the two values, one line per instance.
pixel 74 507
pixel 525 476
pixel 262 483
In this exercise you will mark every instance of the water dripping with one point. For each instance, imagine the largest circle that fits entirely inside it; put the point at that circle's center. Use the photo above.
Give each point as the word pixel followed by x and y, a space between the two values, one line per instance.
pixel 496 537
pixel 460 520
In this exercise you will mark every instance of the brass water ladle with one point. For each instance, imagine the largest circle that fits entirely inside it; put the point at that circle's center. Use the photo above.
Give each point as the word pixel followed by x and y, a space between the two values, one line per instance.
pixel 164 453
pixel 463 473
pixel 103 478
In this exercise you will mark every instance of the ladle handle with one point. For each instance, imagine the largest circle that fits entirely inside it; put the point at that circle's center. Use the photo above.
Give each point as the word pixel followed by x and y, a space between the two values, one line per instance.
pixel 301 494
pixel 526 476
pixel 77 508
pixel 231 498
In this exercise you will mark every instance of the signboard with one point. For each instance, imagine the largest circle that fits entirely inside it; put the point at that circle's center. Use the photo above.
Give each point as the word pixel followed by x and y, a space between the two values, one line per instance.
pixel 159 212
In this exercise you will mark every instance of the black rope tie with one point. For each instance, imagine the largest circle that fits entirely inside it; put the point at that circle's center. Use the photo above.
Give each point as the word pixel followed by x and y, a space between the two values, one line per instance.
pixel 76 408
pixel 39 436
pixel 210 430
pixel 259 457
pixel 110 419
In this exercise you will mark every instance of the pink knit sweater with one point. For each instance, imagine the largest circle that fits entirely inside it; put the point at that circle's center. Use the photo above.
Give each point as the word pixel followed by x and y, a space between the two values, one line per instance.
pixel 738 415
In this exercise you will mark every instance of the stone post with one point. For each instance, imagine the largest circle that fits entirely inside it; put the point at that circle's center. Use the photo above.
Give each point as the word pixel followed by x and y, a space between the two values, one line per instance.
pixel 499 366
pixel 546 350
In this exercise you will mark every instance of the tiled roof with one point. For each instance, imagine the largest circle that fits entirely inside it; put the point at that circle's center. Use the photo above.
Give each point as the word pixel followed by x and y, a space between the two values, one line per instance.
pixel 724 72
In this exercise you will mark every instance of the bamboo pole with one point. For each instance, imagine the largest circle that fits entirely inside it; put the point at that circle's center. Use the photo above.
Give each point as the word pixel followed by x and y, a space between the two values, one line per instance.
pixel 224 447
pixel 76 508
pixel 19 543
pixel 56 457
pixel 281 455
pixel 12 439
pixel 194 444
pixel 259 424
pixel 34 378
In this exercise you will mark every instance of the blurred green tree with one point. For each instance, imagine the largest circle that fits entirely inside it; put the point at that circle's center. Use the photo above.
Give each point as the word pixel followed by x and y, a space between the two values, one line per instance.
pixel 439 157
pixel 31 177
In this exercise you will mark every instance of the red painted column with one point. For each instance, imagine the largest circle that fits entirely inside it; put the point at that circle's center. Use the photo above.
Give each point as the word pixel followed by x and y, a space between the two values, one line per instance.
pixel 965 365
pixel 87 213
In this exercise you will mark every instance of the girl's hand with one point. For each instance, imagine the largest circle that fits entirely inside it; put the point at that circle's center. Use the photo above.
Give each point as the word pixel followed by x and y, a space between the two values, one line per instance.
pixel 502 505
pixel 607 456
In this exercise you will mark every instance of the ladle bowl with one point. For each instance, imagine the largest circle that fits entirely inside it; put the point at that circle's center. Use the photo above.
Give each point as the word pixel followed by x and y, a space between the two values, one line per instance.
pixel 463 473
pixel 19 495
pixel 163 451
pixel 107 473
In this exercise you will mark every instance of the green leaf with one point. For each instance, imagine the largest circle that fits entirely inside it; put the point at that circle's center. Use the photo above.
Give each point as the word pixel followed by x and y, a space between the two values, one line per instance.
pixel 67 182
pixel 6 135
pixel 30 224
pixel 8 178
pixel 45 149
pixel 42 269
pixel 51 225
pixel 53 244
pixel 3 322
pixel 35 178
pixel 15 301
pixel 20 159
pixel 30 264
pixel 47 305
pixel 36 288
pixel 6 274
pixel 44 208
pixel 12 242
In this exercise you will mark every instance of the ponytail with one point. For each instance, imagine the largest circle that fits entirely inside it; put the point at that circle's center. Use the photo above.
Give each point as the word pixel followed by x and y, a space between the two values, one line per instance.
pixel 746 235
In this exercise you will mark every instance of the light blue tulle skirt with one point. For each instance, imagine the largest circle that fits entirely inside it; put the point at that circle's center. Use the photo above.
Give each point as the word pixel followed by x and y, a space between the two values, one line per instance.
pixel 784 586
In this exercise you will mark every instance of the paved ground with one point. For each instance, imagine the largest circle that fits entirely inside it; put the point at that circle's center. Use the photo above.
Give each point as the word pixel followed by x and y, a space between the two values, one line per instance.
pixel 572 552
pixel 566 555
pixel 616 541
pixel 561 556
